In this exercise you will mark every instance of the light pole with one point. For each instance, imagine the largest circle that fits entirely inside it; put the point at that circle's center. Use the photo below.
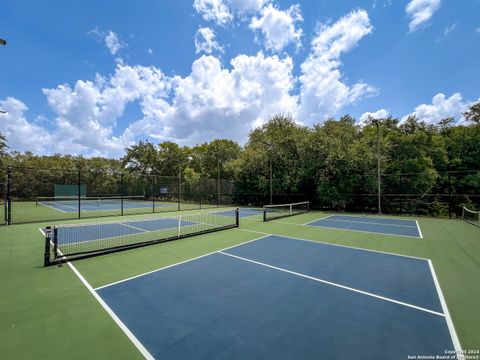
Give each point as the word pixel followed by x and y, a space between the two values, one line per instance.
pixel 3 42
pixel 379 190
pixel 217 154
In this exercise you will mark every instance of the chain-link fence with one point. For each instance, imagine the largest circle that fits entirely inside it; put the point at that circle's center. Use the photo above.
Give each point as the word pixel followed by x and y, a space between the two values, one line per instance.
pixel 33 197
pixel 28 195
pixel 427 193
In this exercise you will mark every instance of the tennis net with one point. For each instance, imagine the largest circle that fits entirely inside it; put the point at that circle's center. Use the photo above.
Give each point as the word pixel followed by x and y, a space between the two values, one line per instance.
pixel 272 212
pixel 88 200
pixel 75 241
pixel 471 216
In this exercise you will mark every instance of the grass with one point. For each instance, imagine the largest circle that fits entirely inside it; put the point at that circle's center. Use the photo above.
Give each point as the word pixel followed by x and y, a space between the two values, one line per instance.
pixel 48 312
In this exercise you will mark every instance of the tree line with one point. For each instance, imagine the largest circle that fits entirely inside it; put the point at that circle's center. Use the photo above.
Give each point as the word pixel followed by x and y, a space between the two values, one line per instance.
pixel 334 163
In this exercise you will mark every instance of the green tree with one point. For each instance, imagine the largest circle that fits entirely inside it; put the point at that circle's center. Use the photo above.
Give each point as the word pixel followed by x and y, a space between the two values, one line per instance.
pixel 473 114
pixel 210 159
pixel 142 158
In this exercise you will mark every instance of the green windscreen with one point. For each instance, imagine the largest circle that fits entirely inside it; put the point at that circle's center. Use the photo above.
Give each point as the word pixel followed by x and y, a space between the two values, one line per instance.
pixel 70 190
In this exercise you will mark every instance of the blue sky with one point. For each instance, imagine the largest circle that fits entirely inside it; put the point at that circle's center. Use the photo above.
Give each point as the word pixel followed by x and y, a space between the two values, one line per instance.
pixel 92 77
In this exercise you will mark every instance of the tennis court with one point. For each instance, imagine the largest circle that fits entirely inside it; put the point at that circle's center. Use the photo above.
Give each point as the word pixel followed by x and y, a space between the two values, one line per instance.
pixel 244 212
pixel 278 297
pixel 378 225
pixel 97 204
pixel 255 289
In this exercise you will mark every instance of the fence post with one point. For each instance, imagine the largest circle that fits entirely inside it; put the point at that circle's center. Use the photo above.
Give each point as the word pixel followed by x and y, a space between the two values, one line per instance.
pixel 79 193
pixel 153 184
pixel 121 194
pixel 200 192
pixel 9 194
pixel 449 192
pixel 179 192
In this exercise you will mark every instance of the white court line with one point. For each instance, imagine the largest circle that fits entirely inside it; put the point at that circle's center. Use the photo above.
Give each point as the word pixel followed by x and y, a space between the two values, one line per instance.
pixel 114 316
pixel 451 328
pixel 336 285
pixel 362 231
pixel 125 235
pixel 338 245
pixel 176 264
pixel 55 208
pixel 264 235
pixel 370 217
pixel 64 205
pixel 323 218
pixel 372 223
pixel 334 228
pixel 146 354
pixel 133 227
pixel 419 231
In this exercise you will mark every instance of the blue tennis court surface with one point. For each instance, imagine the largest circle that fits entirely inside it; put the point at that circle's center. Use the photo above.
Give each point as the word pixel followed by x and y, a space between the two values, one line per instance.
pixel 244 212
pixel 370 224
pixel 68 234
pixel 283 298
pixel 72 205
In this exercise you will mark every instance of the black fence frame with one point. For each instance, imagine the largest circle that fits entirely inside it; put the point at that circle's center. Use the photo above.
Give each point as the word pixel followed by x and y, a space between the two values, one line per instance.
pixel 444 199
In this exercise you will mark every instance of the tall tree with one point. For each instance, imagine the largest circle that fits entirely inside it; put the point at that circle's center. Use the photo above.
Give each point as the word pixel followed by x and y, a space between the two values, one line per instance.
pixel 210 159
pixel 473 114
pixel 142 158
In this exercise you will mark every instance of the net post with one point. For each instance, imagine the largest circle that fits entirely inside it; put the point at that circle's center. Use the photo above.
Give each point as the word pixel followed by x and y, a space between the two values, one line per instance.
pixel 46 254
pixel 9 195
pixel 308 206
pixel 179 225
pixel 237 217
pixel 264 214
pixel 55 242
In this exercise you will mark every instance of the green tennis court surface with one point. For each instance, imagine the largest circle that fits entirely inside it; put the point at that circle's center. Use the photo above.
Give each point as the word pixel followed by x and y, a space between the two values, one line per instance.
pixel 52 312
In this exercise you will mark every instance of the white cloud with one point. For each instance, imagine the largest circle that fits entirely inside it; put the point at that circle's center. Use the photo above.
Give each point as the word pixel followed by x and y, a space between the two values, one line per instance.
pixel 420 12
pixel 441 108
pixel 247 6
pixel 213 101
pixel 323 93
pixel 224 11
pixel 150 51
pixel 112 42
pixel 278 27
pixel 449 29
pixel 22 135
pixel 379 114
pixel 86 115
pixel 213 10
pixel 477 30
pixel 205 41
